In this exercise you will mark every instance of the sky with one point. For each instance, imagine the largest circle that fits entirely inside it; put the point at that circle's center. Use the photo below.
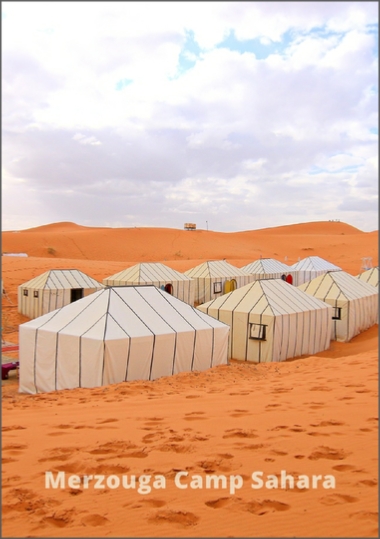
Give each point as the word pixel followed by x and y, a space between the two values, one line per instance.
pixel 230 115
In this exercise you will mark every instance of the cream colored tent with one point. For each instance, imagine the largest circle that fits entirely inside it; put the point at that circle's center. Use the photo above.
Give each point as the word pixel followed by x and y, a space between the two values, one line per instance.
pixel 54 289
pixel 311 267
pixel 354 302
pixel 370 276
pixel 268 268
pixel 179 285
pixel 215 278
pixel 118 334
pixel 271 320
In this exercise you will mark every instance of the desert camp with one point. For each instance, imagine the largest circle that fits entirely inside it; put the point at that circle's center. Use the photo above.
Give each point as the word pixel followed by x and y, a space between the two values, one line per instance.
pixel 213 419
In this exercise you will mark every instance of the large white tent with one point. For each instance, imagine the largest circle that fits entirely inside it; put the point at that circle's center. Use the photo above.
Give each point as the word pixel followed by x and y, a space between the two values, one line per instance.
pixel 54 289
pixel 311 267
pixel 370 276
pixel 118 334
pixel 268 268
pixel 354 302
pixel 178 284
pixel 215 278
pixel 271 320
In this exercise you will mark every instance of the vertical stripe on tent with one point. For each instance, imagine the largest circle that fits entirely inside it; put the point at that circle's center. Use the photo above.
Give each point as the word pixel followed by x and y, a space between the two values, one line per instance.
pixel 56 359
pixel 104 334
pixel 213 346
pixel 35 361
pixel 80 362
pixel 128 358
pixel 175 349
pixel 195 340
pixel 151 361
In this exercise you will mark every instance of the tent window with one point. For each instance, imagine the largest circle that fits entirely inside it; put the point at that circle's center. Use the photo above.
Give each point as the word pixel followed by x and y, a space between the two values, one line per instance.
pixel 25 292
pixel 35 294
pixel 257 332
pixel 217 287
pixel 337 311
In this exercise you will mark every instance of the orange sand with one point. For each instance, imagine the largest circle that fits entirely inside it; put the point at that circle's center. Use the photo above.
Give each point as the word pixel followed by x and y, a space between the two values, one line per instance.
pixel 308 416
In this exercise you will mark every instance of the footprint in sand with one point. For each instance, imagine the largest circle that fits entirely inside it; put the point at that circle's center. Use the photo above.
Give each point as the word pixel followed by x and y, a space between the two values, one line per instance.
pixel 324 452
pixel 343 468
pixel 183 519
pixel 240 433
pixel 337 499
pixel 94 520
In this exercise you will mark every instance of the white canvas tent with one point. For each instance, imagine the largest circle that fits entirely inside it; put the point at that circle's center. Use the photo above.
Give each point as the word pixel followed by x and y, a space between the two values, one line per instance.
pixel 370 276
pixel 54 289
pixel 271 320
pixel 215 278
pixel 354 302
pixel 179 285
pixel 268 268
pixel 311 267
pixel 118 334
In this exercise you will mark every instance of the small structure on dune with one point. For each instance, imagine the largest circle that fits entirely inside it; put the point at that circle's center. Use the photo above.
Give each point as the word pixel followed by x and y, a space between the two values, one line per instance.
pixel 54 289
pixel 154 273
pixel 354 302
pixel 268 268
pixel 190 226
pixel 272 321
pixel 215 278
pixel 371 276
pixel 311 267
pixel 118 334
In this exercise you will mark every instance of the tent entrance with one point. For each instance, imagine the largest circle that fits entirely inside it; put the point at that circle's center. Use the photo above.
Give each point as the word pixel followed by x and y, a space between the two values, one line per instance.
pixel 169 288
pixel 75 294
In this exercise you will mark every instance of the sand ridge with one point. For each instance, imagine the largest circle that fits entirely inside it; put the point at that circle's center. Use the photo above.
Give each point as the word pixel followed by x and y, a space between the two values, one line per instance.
pixel 308 416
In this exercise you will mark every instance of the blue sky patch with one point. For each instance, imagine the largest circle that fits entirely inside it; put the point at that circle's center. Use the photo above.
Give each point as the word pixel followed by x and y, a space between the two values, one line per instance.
pixel 122 83
pixel 256 46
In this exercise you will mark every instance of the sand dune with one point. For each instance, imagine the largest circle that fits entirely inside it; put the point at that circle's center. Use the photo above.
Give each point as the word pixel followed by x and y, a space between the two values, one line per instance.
pixel 309 416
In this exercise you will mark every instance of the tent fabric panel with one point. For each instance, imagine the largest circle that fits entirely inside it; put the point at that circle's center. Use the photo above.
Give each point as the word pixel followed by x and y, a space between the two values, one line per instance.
pixel 27 337
pixel 163 356
pixel 184 352
pixel 68 353
pixel 91 362
pixel 117 343
pixel 142 318
pixel 203 350
pixel 140 358
pixel 45 357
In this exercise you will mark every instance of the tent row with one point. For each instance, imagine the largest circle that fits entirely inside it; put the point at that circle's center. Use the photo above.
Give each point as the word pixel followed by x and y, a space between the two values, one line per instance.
pixel 205 282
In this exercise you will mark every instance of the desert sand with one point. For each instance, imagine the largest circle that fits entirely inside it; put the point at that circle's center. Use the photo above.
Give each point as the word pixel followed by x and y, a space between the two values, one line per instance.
pixel 311 416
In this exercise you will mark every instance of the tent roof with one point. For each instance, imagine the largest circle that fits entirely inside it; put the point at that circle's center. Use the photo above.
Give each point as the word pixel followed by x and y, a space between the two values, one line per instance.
pixel 272 296
pixel 215 268
pixel 147 272
pixel 62 279
pixel 370 276
pixel 315 263
pixel 125 311
pixel 266 265
pixel 338 285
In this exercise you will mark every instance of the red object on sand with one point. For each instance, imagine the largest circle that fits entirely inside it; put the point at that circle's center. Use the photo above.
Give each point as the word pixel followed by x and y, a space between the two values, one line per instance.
pixel 9 347
pixel 6 367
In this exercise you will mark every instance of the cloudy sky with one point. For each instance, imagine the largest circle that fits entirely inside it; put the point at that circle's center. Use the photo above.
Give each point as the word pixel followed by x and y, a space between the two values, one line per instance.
pixel 231 115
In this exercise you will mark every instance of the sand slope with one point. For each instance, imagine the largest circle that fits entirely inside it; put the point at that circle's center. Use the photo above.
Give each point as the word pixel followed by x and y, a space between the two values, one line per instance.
pixel 309 416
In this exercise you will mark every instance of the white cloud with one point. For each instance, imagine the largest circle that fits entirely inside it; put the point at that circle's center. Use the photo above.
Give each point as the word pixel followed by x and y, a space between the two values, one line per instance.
pixel 223 134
